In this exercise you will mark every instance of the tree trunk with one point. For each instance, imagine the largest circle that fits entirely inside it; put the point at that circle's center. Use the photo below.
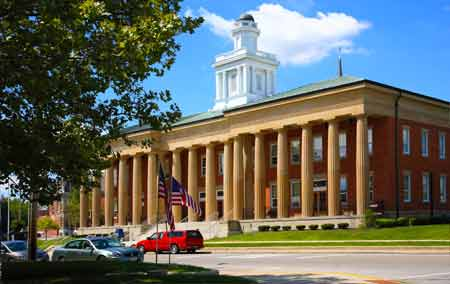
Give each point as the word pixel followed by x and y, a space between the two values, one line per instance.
pixel 32 232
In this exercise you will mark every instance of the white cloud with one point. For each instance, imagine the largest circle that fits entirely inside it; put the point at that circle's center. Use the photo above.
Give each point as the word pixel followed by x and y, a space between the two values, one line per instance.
pixel 293 37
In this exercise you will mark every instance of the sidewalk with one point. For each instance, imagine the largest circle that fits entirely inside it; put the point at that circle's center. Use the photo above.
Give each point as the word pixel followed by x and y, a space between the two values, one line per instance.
pixel 335 249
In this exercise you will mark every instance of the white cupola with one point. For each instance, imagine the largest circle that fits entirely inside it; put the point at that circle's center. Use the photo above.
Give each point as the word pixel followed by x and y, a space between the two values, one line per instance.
pixel 244 74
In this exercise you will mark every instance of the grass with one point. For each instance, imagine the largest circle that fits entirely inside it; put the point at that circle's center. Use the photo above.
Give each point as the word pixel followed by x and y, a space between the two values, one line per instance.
pixel 44 244
pixel 95 272
pixel 428 232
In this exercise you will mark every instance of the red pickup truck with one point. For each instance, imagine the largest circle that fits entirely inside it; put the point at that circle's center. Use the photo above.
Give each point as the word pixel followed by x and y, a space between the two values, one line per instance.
pixel 174 242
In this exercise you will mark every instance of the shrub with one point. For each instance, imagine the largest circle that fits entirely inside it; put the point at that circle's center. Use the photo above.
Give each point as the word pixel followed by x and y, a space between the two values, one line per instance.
pixel 275 228
pixel 286 228
pixel 386 223
pixel 402 221
pixel 327 226
pixel 263 228
pixel 300 227
pixel 370 219
pixel 343 225
pixel 313 227
pixel 440 219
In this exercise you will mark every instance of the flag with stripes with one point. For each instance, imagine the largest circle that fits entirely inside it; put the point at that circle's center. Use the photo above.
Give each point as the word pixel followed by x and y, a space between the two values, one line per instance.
pixel 170 218
pixel 176 192
pixel 185 198
pixel 162 190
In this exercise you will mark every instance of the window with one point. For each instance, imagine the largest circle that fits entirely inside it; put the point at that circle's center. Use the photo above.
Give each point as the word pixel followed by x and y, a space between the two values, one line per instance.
pixel 370 140
pixel 406 144
pixel 441 145
pixel 317 148
pixel 407 186
pixel 201 196
pixel 74 244
pixel 424 139
pixel 273 155
pixel 273 195
pixel 219 193
pixel 371 187
pixel 203 166
pixel 295 193
pixel 342 145
pixel 295 152
pixel 220 164
pixel 426 187
pixel 343 189
pixel 443 188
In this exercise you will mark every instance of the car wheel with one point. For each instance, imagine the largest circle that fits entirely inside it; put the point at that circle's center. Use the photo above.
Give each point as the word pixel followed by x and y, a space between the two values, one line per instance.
pixel 101 258
pixel 61 259
pixel 141 249
pixel 174 249
pixel 192 251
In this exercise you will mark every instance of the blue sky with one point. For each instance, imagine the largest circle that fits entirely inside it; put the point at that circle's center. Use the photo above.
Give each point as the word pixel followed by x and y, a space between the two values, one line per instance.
pixel 401 43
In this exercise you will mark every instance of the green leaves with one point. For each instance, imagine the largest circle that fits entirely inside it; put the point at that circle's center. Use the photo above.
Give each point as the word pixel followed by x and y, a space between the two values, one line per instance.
pixel 58 59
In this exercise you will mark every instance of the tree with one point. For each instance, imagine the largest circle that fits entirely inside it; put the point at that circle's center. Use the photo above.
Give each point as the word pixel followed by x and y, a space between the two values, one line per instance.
pixel 73 208
pixel 45 223
pixel 71 77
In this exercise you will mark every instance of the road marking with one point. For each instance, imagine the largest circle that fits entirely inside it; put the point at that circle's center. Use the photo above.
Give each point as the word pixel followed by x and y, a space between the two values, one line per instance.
pixel 424 275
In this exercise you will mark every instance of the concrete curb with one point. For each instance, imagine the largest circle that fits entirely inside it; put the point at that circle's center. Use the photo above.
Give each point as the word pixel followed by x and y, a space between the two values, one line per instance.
pixel 335 249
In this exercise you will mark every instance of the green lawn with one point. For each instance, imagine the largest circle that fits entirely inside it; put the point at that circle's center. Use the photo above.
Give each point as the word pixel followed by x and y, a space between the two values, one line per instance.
pixel 429 232
pixel 44 244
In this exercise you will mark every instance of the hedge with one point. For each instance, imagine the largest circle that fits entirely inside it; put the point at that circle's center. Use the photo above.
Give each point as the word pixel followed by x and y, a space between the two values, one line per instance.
pixel 327 226
pixel 343 225
pixel 313 227
pixel 275 228
pixel 263 228
pixel 300 227
pixel 286 228
pixel 37 270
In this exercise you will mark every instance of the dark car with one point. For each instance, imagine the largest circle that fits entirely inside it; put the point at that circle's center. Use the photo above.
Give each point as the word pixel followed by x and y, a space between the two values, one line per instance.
pixel 17 251
pixel 175 241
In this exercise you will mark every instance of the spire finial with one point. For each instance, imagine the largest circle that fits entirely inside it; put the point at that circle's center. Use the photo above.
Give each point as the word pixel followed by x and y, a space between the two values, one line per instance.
pixel 340 72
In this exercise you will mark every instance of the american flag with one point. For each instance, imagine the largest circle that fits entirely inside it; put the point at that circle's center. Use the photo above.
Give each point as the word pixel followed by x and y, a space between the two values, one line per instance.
pixel 176 192
pixel 186 199
pixel 170 219
pixel 162 191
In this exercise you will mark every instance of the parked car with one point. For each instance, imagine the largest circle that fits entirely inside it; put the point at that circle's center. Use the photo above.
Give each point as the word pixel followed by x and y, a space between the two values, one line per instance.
pixel 176 241
pixel 96 249
pixel 17 251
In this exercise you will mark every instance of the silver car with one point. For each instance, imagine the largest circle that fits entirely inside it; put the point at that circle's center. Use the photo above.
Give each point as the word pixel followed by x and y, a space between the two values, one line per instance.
pixel 96 249
pixel 17 251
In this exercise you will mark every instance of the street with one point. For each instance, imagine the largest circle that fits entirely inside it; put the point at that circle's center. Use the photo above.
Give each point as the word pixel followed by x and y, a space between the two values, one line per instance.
pixel 323 267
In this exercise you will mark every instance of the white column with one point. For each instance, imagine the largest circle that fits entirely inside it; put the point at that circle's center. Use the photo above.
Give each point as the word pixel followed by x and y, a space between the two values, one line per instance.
pixel 245 79
pixel 274 74
pixel 218 86
pixel 224 85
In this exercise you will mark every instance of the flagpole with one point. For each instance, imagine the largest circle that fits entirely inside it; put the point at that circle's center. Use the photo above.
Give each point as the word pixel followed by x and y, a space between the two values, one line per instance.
pixel 170 233
pixel 157 217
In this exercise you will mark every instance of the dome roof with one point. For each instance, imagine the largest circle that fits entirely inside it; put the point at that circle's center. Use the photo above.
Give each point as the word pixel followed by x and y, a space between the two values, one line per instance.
pixel 246 17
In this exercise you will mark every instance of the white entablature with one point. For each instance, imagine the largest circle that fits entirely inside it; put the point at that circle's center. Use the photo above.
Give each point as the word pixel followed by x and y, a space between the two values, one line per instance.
pixel 244 74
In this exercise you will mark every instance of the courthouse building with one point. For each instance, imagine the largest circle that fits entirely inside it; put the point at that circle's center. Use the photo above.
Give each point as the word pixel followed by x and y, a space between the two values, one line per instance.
pixel 322 150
